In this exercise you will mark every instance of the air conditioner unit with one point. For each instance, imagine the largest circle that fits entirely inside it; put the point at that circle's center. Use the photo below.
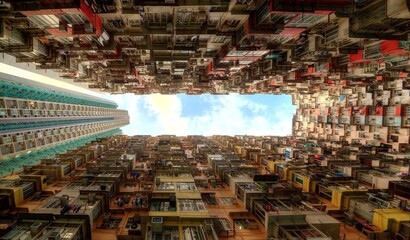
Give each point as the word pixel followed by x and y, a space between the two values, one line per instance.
pixel 76 42
pixel 156 224
pixel 312 43
pixel 35 228
pixel 202 16
pixel 169 28
pixel 54 235
pixel 62 26
pixel 88 28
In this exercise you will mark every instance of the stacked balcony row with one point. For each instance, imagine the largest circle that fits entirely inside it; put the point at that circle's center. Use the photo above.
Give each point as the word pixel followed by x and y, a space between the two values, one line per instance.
pixel 18 143
pixel 21 108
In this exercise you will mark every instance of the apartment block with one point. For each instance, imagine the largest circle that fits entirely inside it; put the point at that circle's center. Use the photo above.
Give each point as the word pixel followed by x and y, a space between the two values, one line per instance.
pixel 143 187
pixel 343 172
pixel 39 120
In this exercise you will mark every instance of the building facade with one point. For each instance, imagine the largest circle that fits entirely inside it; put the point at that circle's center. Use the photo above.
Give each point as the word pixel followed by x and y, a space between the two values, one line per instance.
pixel 342 174
pixel 217 187
pixel 220 46
pixel 39 120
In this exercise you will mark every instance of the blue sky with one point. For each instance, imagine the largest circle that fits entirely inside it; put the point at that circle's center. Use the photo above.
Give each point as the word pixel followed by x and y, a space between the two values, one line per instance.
pixel 182 114
pixel 232 114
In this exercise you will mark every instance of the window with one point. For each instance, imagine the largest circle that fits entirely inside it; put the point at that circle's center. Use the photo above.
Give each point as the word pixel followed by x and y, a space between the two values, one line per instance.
pixel 191 205
pixel 186 186
pixel 45 21
pixel 164 186
pixel 74 19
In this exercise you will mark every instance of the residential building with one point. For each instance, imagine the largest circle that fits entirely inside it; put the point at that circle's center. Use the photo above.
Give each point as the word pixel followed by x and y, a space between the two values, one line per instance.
pixel 343 173
pixel 39 120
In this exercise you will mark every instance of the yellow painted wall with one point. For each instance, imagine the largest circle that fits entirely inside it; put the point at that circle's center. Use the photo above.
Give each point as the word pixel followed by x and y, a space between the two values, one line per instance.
pixel 381 218
pixel 238 149
pixel 337 196
pixel 272 164
pixel 16 192
pixel 306 184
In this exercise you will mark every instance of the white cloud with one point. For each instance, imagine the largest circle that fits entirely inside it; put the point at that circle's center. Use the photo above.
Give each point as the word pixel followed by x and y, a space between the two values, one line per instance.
pixel 167 110
pixel 228 114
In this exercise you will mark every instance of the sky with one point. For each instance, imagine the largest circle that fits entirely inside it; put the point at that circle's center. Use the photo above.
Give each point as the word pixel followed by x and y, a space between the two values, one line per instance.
pixel 182 115
pixel 233 114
